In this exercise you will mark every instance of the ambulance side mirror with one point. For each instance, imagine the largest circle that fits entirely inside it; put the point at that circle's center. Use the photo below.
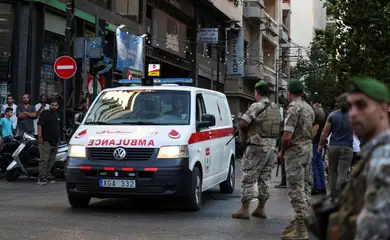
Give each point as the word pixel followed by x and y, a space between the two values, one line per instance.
pixel 78 118
pixel 208 120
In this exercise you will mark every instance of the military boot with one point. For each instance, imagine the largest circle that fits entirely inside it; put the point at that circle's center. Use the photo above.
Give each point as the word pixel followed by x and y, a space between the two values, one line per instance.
pixel 260 211
pixel 243 213
pixel 290 227
pixel 298 233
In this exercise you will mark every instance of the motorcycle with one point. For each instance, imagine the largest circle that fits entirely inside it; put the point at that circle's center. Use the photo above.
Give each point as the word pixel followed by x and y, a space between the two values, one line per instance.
pixel 26 160
pixel 6 153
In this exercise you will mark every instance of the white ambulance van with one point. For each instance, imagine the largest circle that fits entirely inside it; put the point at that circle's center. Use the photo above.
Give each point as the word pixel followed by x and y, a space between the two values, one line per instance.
pixel 165 140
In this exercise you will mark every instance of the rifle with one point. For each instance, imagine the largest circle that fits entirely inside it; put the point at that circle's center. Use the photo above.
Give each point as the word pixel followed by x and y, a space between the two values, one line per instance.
pixel 261 111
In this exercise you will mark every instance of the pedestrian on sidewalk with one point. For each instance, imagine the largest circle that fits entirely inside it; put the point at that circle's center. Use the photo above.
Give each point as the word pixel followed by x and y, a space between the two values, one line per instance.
pixel 340 145
pixel 48 138
pixel 318 168
pixel 42 105
pixel 10 104
pixel 260 141
pixel 26 114
pixel 283 182
pixel 6 125
pixel 296 152
pixel 356 150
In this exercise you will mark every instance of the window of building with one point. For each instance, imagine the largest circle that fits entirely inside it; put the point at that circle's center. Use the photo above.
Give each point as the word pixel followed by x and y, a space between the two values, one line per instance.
pixel 129 9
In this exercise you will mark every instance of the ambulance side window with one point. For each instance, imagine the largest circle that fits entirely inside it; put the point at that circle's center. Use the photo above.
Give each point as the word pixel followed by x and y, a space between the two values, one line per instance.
pixel 200 107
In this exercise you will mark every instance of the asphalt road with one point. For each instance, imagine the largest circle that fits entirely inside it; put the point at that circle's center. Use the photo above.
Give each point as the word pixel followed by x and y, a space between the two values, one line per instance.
pixel 31 212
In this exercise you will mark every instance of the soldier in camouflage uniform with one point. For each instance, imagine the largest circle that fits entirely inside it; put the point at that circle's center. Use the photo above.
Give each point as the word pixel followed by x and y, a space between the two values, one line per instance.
pixel 256 162
pixel 297 153
pixel 363 209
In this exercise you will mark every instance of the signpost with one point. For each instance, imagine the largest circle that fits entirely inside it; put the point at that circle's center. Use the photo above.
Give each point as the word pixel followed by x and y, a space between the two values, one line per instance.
pixel 65 67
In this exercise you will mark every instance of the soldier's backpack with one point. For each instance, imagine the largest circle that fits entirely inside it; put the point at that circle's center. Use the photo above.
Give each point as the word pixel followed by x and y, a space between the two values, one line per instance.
pixel 269 122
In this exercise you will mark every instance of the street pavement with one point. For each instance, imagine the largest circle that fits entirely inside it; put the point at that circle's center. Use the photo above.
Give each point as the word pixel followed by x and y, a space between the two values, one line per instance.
pixel 31 212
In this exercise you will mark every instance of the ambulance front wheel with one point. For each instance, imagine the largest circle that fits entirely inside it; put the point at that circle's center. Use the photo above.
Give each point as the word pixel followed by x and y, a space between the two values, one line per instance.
pixel 228 185
pixel 194 199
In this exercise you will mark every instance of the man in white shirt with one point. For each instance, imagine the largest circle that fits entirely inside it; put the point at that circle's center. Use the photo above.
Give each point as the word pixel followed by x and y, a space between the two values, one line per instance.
pixel 43 101
pixel 356 150
pixel 11 104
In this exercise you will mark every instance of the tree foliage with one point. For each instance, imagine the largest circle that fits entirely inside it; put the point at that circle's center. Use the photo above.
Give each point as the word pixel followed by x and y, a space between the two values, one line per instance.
pixel 358 44
pixel 316 70
pixel 362 37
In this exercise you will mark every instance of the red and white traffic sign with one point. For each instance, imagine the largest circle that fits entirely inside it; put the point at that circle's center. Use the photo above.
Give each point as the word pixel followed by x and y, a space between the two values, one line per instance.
pixel 65 67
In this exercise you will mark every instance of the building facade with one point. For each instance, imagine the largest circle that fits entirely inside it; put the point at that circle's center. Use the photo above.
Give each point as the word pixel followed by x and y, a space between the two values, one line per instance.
pixel 33 32
pixel 266 25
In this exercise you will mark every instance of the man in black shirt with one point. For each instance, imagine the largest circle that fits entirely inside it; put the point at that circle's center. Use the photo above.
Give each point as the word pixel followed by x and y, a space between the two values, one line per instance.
pixel 48 138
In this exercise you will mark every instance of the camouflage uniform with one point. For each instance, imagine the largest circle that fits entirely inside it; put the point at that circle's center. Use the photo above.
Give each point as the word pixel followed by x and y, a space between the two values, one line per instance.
pixel 257 161
pixel 364 210
pixel 299 121
pixel 374 219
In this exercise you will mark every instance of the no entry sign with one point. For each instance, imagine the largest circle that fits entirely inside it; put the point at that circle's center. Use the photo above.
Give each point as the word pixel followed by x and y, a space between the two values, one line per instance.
pixel 65 67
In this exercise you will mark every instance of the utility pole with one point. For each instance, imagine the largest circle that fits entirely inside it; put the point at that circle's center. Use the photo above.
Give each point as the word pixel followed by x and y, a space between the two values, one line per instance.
pixel 218 62
pixel 70 4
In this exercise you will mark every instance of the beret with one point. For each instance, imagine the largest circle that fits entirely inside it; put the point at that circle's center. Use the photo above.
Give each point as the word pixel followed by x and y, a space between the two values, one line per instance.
pixel 261 84
pixel 371 87
pixel 295 85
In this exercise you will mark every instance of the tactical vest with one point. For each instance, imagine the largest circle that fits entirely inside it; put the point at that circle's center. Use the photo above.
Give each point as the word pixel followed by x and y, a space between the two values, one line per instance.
pixel 267 124
pixel 342 223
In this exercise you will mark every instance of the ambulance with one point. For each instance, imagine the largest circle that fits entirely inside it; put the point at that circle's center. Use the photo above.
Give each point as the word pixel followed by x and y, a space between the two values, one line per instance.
pixel 157 139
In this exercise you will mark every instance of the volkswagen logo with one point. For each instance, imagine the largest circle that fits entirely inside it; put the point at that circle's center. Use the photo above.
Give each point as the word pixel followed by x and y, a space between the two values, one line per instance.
pixel 119 153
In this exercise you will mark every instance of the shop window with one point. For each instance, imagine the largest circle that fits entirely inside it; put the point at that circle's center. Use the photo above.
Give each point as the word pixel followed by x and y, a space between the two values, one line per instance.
pixel 128 8
pixel 7 15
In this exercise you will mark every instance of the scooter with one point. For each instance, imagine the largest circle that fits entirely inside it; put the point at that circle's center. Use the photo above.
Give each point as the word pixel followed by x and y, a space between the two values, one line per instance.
pixel 26 160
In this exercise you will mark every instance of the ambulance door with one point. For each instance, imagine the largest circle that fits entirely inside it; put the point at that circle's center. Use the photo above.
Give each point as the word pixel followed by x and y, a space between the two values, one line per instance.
pixel 203 145
pixel 214 152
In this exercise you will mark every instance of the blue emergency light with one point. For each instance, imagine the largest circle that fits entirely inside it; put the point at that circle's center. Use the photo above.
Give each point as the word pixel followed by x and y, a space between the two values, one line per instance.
pixel 156 81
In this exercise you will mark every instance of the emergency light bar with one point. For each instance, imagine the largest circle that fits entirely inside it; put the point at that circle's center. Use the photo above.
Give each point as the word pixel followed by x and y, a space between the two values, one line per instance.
pixel 156 81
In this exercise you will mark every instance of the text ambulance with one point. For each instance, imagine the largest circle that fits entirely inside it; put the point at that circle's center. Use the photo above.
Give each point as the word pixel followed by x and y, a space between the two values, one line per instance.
pixel 152 141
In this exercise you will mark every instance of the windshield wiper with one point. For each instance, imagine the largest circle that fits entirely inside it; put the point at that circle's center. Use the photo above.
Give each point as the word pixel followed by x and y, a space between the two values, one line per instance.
pixel 97 123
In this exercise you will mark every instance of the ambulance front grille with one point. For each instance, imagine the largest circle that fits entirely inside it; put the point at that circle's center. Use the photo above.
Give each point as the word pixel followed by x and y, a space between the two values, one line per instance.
pixel 132 154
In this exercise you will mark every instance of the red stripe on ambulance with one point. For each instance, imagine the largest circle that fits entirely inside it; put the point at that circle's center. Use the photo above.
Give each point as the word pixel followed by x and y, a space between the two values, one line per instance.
pixel 205 136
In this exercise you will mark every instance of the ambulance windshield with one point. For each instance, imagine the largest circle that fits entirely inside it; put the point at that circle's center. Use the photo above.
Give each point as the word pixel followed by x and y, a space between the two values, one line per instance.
pixel 141 107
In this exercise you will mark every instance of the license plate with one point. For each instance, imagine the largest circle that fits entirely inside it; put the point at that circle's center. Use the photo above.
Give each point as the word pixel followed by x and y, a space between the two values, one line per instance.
pixel 111 183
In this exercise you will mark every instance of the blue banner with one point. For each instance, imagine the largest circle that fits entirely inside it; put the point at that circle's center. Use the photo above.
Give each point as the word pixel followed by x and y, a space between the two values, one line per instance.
pixel 129 53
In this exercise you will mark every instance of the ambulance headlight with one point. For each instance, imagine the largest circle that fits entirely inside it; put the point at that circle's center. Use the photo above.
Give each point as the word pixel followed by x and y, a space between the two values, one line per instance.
pixel 173 152
pixel 77 151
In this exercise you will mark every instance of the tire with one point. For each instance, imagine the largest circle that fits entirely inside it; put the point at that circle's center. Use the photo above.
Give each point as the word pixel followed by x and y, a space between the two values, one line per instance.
pixel 194 199
pixel 56 172
pixel 79 202
pixel 228 185
pixel 12 175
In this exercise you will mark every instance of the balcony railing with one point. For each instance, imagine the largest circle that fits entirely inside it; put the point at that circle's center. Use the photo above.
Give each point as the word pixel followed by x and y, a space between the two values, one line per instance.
pixel 254 11
pixel 272 25
pixel 269 74
pixel 253 71
pixel 167 57
pixel 283 34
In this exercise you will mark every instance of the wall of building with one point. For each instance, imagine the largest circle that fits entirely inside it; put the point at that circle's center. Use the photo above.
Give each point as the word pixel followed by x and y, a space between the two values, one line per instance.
pixel 232 8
